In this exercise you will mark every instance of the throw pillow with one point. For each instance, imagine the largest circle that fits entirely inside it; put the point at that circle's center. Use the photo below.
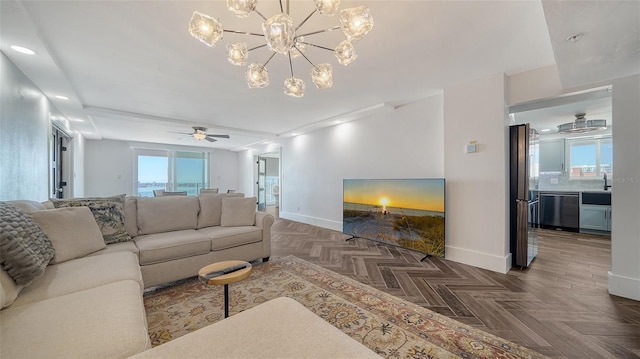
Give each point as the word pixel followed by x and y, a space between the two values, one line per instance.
pixel 73 232
pixel 107 211
pixel 238 212
pixel 25 250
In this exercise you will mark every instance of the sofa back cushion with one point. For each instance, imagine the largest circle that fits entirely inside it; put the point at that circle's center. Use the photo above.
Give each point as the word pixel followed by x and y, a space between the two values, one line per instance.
pixel 27 206
pixel 165 214
pixel 211 208
pixel 238 212
pixel 73 231
pixel 131 216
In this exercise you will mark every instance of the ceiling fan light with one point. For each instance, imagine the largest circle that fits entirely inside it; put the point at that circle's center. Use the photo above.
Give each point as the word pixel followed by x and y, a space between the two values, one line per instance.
pixel 199 135
pixel 294 87
pixel 205 28
pixel 257 76
pixel 280 33
pixel 327 7
pixel 356 22
pixel 345 53
pixel 322 76
pixel 242 8
pixel 238 53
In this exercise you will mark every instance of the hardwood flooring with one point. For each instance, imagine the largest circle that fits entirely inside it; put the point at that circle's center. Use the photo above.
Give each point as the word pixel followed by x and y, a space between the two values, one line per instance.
pixel 559 306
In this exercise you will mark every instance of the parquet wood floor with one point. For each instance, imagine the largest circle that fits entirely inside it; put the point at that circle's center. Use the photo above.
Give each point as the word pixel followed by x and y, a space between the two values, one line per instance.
pixel 559 306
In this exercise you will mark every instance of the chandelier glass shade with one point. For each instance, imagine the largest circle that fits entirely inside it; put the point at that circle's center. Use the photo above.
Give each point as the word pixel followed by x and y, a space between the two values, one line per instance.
pixel 282 36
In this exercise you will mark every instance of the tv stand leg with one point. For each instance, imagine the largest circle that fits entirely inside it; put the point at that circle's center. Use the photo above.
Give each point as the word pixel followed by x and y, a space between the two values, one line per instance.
pixel 350 238
pixel 425 257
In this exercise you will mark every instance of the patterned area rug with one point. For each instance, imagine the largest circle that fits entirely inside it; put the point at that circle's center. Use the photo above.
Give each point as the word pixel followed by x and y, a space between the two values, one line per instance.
pixel 390 326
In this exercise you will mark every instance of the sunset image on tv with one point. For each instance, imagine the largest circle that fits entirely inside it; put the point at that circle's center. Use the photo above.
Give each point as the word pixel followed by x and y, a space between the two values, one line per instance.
pixel 405 212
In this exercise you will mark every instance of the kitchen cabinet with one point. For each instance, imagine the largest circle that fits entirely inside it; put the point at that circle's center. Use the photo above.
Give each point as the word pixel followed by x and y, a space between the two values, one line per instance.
pixel 595 217
pixel 552 156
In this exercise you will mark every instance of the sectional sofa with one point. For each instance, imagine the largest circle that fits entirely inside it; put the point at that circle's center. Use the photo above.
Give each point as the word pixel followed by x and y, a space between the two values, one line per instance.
pixel 83 298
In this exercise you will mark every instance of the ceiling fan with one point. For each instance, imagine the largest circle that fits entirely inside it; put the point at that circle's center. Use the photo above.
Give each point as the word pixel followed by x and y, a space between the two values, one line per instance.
pixel 200 133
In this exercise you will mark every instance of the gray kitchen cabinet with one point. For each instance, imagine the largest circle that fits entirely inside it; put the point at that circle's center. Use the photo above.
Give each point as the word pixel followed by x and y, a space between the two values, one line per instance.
pixel 552 155
pixel 595 217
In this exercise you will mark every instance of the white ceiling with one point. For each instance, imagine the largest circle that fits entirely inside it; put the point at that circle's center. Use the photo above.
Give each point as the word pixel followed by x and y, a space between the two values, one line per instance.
pixel 132 71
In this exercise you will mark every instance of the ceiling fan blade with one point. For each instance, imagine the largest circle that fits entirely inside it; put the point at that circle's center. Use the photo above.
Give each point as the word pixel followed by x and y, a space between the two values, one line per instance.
pixel 219 136
pixel 182 133
pixel 210 139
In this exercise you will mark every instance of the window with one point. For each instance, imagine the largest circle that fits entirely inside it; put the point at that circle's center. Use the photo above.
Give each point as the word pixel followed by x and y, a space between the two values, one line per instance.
pixel 170 170
pixel 591 158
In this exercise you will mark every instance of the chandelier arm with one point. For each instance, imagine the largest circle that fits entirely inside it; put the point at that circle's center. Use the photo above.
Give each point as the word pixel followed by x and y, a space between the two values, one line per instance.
pixel 305 57
pixel 258 12
pixel 318 46
pixel 243 32
pixel 290 64
pixel 307 18
pixel 257 47
pixel 319 31
pixel 270 57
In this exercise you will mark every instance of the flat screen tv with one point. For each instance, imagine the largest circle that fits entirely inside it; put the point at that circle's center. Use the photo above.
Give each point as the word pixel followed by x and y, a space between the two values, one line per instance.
pixel 406 212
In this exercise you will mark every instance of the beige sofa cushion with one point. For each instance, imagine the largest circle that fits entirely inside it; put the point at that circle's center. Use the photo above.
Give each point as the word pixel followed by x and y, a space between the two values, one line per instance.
pixel 162 247
pixel 9 290
pixel 103 322
pixel 131 216
pixel 165 214
pixel 279 328
pixel 229 237
pixel 238 212
pixel 211 208
pixel 73 232
pixel 82 274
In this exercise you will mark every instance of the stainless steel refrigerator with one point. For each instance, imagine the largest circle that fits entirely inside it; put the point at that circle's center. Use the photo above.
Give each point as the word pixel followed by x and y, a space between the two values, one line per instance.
pixel 524 203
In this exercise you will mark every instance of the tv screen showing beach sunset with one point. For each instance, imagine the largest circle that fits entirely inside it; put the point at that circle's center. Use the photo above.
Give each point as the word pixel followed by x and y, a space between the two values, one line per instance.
pixel 405 212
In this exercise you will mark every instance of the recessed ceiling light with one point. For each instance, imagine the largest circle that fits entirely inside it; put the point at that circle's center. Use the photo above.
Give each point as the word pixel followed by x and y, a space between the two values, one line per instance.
pixel 23 50
pixel 337 122
pixel 294 134
pixel 545 130
pixel 60 97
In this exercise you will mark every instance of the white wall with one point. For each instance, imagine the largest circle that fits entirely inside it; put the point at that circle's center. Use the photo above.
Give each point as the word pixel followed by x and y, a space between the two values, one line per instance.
pixel 624 277
pixel 78 150
pixel 109 166
pixel 224 170
pixel 406 143
pixel 477 184
pixel 24 136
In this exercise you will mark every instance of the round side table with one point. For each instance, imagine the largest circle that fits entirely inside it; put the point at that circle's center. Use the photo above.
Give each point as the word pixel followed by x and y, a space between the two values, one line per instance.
pixel 226 272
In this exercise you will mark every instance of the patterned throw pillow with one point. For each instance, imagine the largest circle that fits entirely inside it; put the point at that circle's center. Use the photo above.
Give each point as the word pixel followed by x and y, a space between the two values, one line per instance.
pixel 108 212
pixel 25 250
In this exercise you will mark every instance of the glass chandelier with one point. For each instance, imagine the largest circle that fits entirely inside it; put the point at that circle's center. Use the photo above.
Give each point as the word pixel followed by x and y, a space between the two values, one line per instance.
pixel 282 37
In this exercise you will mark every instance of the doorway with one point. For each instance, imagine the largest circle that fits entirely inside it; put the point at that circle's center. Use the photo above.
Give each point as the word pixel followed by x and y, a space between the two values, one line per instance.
pixel 268 182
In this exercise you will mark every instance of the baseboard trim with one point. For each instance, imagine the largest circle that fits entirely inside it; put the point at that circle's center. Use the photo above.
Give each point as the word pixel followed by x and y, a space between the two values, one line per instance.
pixel 315 221
pixel 500 264
pixel 623 286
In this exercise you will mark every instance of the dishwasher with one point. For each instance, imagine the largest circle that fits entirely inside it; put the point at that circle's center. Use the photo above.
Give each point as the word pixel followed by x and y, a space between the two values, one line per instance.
pixel 560 210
